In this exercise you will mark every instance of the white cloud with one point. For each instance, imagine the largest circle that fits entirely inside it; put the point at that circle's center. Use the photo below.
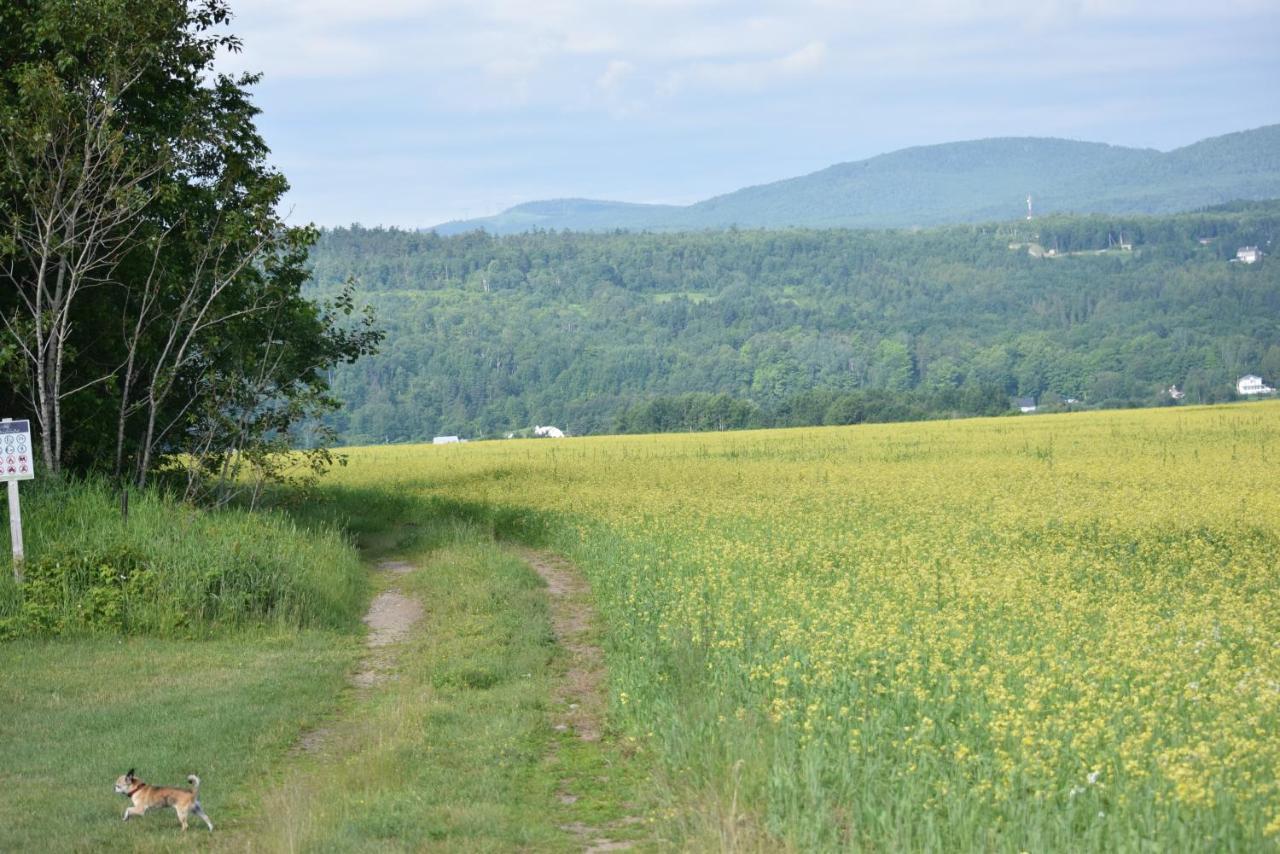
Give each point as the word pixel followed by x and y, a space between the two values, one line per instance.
pixel 614 74
pixel 490 54
pixel 802 61
pixel 730 42
pixel 749 74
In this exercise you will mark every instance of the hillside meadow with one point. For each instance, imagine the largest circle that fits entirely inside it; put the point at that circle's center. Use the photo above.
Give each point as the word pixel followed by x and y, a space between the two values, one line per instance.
pixel 1037 633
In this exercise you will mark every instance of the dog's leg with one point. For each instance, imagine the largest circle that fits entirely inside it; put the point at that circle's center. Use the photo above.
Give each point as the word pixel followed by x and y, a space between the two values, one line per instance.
pixel 182 817
pixel 132 811
pixel 199 810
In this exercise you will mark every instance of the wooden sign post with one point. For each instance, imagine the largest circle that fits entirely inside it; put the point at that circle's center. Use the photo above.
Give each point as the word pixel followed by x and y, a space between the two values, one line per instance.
pixel 16 463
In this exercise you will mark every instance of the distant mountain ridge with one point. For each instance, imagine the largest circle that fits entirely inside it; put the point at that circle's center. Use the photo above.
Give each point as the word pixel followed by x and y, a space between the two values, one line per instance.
pixel 951 183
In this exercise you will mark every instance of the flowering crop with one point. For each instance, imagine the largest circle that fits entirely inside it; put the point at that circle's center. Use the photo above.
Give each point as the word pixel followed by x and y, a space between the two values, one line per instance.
pixel 1047 632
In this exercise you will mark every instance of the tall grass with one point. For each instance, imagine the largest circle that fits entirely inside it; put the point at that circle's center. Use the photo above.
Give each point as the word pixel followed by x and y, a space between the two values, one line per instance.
pixel 170 569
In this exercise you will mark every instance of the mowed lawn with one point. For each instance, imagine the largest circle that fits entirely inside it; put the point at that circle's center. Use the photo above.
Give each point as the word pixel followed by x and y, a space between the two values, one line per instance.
pixel 75 714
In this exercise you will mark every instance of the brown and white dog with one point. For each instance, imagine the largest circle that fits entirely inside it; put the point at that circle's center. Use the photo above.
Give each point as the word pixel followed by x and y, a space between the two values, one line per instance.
pixel 145 797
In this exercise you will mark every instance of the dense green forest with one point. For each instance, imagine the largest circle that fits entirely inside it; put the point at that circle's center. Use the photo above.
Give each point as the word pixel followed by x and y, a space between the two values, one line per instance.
pixel 956 182
pixel 709 330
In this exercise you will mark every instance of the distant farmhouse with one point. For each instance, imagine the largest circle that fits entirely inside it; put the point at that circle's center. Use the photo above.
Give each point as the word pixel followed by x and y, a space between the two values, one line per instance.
pixel 1248 255
pixel 1025 404
pixel 1176 393
pixel 445 440
pixel 1252 384
pixel 548 432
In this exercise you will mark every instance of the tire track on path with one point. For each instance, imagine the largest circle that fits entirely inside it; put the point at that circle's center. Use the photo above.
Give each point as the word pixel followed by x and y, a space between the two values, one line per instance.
pixel 578 699
pixel 391 617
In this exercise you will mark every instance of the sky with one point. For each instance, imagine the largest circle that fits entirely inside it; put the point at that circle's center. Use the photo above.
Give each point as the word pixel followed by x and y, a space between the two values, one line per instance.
pixel 402 113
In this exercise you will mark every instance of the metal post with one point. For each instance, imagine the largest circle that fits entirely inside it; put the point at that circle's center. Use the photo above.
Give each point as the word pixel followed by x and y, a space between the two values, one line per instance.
pixel 15 530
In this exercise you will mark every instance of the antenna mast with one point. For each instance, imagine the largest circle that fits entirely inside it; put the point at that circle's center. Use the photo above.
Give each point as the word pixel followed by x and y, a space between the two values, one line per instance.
pixel 1028 206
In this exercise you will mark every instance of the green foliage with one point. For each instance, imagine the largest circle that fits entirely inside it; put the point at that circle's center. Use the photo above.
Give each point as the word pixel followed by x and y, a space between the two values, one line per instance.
pixel 688 412
pixel 171 570
pixel 640 332
pixel 955 182
pixel 134 169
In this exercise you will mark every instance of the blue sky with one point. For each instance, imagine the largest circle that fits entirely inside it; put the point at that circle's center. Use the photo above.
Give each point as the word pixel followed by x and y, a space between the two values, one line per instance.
pixel 407 113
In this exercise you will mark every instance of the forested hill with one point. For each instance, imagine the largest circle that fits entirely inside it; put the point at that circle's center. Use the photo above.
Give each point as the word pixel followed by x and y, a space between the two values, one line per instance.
pixel 957 182
pixel 596 332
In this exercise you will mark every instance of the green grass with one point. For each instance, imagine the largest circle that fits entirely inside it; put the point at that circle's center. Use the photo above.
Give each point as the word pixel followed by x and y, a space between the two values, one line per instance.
pixel 171 570
pixel 75 714
pixel 456 752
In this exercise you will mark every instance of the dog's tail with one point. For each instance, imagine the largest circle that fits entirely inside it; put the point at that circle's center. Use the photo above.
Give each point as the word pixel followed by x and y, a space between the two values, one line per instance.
pixel 195 783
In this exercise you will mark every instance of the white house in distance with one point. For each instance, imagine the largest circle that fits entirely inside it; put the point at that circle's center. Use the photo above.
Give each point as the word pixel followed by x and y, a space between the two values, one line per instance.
pixel 1025 404
pixel 1248 255
pixel 445 440
pixel 1252 384
pixel 548 432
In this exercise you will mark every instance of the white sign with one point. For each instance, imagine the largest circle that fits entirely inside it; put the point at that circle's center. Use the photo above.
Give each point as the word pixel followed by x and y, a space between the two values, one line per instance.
pixel 17 462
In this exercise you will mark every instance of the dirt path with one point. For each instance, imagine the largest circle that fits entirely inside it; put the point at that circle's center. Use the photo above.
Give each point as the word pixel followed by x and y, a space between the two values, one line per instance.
pixel 390 618
pixel 577 701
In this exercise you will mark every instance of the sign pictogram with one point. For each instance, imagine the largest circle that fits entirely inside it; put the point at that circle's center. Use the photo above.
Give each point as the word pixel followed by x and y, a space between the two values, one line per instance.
pixel 15 451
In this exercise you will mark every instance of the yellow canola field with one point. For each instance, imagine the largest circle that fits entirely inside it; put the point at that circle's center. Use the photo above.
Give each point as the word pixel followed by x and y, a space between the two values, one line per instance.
pixel 1056 630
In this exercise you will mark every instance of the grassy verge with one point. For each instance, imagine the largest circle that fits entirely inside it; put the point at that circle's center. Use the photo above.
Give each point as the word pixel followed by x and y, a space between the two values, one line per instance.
pixel 171 570
pixel 74 714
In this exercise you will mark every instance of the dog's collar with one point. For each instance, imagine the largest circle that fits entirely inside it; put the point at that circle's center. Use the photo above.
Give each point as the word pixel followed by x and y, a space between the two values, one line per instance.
pixel 130 793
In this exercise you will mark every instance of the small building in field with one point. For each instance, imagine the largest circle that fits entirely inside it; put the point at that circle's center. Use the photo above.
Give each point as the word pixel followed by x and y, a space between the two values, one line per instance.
pixel 548 432
pixel 1252 384
pixel 1248 255
pixel 445 440
pixel 1025 404
pixel 1176 393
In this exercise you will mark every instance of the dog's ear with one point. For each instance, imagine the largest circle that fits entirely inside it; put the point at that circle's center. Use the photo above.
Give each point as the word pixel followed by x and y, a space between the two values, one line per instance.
pixel 130 774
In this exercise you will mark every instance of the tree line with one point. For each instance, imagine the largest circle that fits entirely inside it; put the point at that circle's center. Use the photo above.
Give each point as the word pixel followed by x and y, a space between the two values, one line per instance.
pixel 630 331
